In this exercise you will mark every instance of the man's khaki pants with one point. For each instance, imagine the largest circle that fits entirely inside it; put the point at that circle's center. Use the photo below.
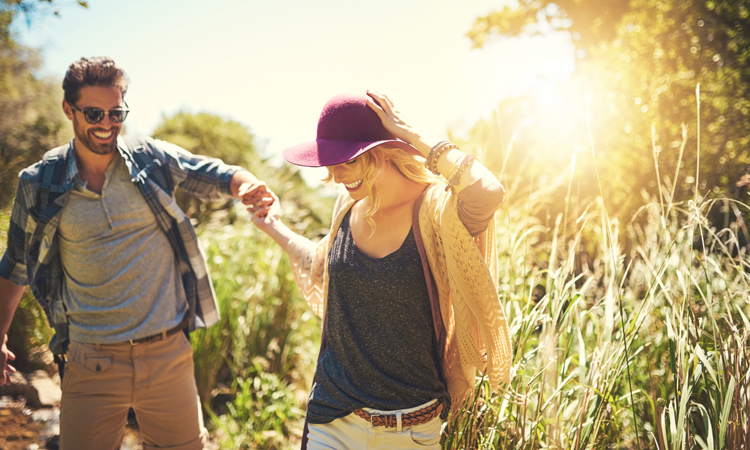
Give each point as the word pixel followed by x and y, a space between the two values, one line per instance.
pixel 102 381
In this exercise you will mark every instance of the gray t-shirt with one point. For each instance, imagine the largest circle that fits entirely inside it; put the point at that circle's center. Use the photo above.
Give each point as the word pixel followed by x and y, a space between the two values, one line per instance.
pixel 121 279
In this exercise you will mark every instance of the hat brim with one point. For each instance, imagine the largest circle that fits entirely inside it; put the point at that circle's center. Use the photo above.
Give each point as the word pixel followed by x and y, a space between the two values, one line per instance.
pixel 329 152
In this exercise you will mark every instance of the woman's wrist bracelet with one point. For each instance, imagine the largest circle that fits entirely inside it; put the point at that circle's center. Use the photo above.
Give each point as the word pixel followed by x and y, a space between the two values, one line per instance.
pixel 454 167
pixel 435 153
pixel 431 156
pixel 466 161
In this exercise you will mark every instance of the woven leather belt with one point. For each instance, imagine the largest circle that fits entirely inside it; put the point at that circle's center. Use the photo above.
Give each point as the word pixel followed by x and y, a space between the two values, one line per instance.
pixel 160 336
pixel 407 420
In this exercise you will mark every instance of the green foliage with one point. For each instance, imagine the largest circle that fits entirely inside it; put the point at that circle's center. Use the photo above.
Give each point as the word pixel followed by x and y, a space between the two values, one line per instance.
pixel 263 414
pixel 263 350
pixel 210 135
pixel 31 118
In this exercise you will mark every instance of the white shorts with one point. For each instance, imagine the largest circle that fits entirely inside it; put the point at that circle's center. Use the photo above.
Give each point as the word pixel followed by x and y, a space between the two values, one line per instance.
pixel 353 432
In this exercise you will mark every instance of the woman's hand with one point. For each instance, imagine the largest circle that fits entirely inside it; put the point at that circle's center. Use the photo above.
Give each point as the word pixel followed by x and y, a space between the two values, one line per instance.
pixel 267 217
pixel 265 213
pixel 394 121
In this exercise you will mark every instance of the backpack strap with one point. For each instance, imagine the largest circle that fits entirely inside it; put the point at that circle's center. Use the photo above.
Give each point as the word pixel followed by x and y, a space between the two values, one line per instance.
pixel 147 160
pixel 51 176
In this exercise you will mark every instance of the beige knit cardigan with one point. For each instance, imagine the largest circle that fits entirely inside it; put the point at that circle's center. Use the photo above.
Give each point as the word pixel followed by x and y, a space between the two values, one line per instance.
pixel 465 272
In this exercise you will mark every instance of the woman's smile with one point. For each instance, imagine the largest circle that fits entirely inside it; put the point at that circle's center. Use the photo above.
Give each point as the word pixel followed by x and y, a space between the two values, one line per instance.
pixel 354 185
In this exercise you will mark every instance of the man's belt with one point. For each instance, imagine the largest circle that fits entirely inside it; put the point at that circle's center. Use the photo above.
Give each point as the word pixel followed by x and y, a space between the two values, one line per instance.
pixel 160 336
pixel 418 417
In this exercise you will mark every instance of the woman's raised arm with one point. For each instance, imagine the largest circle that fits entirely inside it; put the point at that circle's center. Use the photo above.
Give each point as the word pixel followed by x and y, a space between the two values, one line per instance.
pixel 449 160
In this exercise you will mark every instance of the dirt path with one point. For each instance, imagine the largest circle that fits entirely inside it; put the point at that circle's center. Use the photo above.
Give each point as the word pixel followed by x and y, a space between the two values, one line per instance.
pixel 23 428
pixel 19 430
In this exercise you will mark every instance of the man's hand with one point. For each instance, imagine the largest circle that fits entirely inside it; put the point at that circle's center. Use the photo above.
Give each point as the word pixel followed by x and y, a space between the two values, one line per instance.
pixel 252 192
pixel 5 356
pixel 256 196
pixel 10 296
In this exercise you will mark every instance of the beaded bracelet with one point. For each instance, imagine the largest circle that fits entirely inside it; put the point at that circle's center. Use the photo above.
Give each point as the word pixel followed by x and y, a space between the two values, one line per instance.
pixel 440 151
pixel 435 153
pixel 465 162
pixel 431 156
pixel 428 158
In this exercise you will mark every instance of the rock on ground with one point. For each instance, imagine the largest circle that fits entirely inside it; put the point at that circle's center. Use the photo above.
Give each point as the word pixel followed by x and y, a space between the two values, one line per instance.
pixel 42 391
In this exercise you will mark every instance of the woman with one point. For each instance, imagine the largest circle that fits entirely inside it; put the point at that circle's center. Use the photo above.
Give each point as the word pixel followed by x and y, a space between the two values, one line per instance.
pixel 405 280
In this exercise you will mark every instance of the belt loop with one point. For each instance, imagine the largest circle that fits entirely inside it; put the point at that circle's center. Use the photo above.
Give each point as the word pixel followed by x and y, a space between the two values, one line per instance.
pixel 164 335
pixel 398 421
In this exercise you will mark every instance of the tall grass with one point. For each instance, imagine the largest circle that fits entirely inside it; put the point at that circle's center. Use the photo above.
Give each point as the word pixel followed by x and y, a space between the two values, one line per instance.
pixel 668 369
pixel 261 355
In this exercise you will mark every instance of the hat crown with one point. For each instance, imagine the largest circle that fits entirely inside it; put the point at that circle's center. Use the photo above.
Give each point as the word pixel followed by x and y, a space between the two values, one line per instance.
pixel 347 128
pixel 346 117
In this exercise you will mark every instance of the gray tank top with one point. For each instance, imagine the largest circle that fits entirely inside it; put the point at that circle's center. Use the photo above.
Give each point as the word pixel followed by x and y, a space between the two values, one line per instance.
pixel 381 349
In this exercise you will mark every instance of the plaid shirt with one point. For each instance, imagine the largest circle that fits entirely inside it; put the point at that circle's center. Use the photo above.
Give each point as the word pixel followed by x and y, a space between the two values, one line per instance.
pixel 32 256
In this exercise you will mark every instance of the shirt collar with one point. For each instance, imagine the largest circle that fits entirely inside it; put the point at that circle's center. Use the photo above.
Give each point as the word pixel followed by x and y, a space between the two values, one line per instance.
pixel 72 168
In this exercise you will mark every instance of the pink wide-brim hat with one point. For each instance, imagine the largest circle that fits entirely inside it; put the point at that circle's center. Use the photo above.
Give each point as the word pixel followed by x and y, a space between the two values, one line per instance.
pixel 347 128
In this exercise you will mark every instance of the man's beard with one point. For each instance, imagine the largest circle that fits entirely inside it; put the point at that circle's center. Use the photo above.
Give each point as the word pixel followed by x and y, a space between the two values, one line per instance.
pixel 99 148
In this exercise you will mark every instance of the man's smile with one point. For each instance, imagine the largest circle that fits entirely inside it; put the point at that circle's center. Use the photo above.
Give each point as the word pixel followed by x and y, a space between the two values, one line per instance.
pixel 103 135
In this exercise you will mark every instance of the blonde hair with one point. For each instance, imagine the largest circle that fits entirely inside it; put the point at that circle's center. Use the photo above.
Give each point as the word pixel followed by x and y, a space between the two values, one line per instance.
pixel 409 165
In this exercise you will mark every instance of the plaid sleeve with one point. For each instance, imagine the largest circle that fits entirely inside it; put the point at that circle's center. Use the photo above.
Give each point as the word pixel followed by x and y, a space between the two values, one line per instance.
pixel 205 178
pixel 13 262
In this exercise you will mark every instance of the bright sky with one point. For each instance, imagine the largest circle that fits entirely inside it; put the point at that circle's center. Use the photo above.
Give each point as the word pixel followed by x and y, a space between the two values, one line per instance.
pixel 271 65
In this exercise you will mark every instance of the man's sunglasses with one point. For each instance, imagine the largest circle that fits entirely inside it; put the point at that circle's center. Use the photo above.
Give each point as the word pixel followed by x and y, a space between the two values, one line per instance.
pixel 96 115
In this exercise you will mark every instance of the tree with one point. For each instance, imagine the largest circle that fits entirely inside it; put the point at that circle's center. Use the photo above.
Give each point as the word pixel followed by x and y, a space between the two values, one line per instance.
pixel 642 61
pixel 29 7
pixel 592 22
pixel 31 118
pixel 211 135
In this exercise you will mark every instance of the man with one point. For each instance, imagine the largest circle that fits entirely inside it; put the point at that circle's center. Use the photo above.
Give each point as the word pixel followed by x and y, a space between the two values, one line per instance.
pixel 117 267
